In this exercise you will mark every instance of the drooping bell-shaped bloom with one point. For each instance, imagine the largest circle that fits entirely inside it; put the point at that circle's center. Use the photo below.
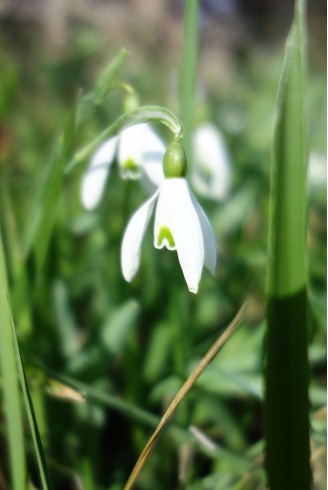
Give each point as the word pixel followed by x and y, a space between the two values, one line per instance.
pixel 139 151
pixel 211 172
pixel 180 224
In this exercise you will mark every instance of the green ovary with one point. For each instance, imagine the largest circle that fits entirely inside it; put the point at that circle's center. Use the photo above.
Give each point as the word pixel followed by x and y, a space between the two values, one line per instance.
pixel 165 234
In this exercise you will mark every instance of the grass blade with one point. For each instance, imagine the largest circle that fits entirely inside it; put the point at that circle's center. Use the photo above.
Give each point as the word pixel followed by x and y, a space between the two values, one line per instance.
pixel 107 76
pixel 44 476
pixel 43 221
pixel 188 384
pixel 11 395
pixel 286 404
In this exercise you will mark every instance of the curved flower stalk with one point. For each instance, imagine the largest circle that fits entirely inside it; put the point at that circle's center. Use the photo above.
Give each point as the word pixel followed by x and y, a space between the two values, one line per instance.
pixel 211 172
pixel 180 224
pixel 139 152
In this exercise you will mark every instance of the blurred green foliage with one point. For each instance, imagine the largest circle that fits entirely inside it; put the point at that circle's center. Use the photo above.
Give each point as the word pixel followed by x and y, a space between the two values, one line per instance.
pixel 130 346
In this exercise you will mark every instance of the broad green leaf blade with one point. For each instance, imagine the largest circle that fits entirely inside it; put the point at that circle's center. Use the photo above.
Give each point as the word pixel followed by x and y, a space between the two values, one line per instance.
pixel 66 325
pixel 44 477
pixel 286 403
pixel 11 395
pixel 115 332
pixel 42 223
pixel 286 272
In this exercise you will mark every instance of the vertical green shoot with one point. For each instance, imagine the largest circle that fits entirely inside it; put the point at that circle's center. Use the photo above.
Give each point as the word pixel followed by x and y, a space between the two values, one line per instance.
pixel 38 449
pixel 286 404
pixel 10 386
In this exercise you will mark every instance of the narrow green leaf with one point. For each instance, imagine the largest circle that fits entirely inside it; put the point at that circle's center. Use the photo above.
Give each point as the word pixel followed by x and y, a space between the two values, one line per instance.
pixel 149 420
pixel 286 403
pixel 44 477
pixel 117 328
pixel 42 223
pixel 11 395
pixel 66 326
pixel 107 76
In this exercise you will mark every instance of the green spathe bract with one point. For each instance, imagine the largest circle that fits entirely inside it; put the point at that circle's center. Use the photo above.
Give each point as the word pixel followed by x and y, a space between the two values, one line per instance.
pixel 175 161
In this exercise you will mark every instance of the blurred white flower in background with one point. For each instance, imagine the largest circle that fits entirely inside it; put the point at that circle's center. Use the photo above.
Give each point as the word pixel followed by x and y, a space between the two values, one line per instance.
pixel 211 171
pixel 140 153
pixel 180 224
pixel 317 170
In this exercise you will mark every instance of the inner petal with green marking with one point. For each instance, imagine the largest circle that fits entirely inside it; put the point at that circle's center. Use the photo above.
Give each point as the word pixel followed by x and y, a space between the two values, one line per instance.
pixel 130 169
pixel 165 238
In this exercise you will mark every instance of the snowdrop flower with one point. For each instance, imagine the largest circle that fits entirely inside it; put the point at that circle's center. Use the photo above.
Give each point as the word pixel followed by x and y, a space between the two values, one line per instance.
pixel 211 172
pixel 139 154
pixel 180 224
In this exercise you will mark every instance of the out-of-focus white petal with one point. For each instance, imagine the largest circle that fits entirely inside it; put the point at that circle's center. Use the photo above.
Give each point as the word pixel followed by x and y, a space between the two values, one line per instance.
pixel 211 173
pixel 153 155
pixel 177 219
pixel 132 239
pixel 210 247
pixel 94 179
pixel 317 170
pixel 151 142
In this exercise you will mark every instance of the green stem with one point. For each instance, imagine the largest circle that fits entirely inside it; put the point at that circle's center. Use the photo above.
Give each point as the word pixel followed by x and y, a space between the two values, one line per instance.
pixel 140 115
pixel 187 89
pixel 188 72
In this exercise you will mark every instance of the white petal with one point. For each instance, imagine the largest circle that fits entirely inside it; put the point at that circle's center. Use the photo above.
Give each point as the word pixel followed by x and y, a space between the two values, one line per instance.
pixel 132 239
pixel 210 248
pixel 94 179
pixel 176 214
pixel 153 170
pixel 211 173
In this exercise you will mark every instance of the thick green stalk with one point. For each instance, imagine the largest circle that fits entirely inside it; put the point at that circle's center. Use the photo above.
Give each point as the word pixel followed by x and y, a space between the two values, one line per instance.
pixel 286 403
pixel 188 72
